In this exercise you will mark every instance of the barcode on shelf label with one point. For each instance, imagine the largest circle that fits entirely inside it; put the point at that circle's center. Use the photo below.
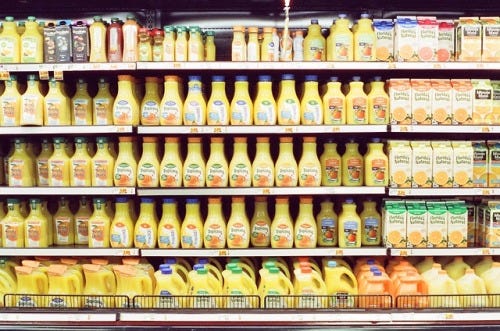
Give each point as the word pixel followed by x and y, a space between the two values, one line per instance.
pixel 44 75
pixel 59 75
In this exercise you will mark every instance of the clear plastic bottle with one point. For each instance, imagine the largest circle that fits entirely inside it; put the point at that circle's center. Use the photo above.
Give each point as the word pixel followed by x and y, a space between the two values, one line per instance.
pixel 194 170
pixel 114 38
pixel 340 42
pixel 376 164
pixel 171 164
pixel 349 225
pixel 181 44
pixel 267 47
pixel 241 112
pixel 240 167
pixel 81 105
pixel 282 232
pixel 217 166
pixel 130 30
pixel 32 103
pixel 192 225
pixel 150 105
pixel 64 224
pixel 288 104
pixel 121 231
pixel 13 225
pixel 145 49
pixel 10 103
pixel 97 34
pixel 82 222
pixel 102 164
pixel 171 104
pixel 364 39
pixel 57 110
pixel 59 165
pixel 10 41
pixel 298 46
pixel 238 45
pixel 146 227
pixel 125 106
pixel 326 221
pixel 36 226
pixel 99 225
pixel 356 103
pixel 103 104
pixel 196 51
pixel 158 36
pixel 195 107
pixel 42 163
pixel 352 166
pixel 210 48
pixel 378 103
pixel 169 48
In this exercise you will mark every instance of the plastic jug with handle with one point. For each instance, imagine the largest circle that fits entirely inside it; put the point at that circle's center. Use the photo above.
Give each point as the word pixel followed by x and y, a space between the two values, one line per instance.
pixel 414 289
pixel 338 260
pixel 169 283
pixel 425 264
pixel 483 265
pixel 132 281
pixel 456 268
pixel 99 281
pixel 340 284
pixel 376 291
pixel 401 270
pixel 273 286
pixel 141 264
pixel 280 263
pixel 29 281
pixel 179 266
pixel 306 261
pixel 491 282
pixel 237 285
pixel 8 282
pixel 431 273
pixel 443 291
pixel 74 267
pixel 245 264
pixel 472 289
pixel 214 269
pixel 203 287
pixel 63 282
pixel 310 288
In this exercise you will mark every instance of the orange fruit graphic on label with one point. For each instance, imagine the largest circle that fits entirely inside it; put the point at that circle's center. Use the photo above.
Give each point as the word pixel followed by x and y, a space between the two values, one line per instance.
pixel 400 177
pixel 461 115
pixel 455 237
pixel 406 52
pixel 461 178
pixel 440 115
pixel 425 53
pixel 382 53
pixel 394 237
pixel 419 115
pixel 441 178
pixel 399 114
pixel 435 238
pixel 443 55
pixel 415 238
pixel 420 178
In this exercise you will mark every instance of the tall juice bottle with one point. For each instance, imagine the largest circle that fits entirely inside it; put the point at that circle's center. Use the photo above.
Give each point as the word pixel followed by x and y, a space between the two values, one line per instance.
pixel 144 47
pixel 121 230
pixel 130 30
pixel 157 47
pixel 10 103
pixel 264 103
pixel 64 224
pixel 305 234
pixel 195 108
pixel 100 281
pixel 125 106
pixel 288 104
pixel 181 50
pixel 171 104
pixel 371 224
pixel 334 103
pixel 218 104
pixel 241 108
pixel 146 226
pixel 282 233
pixel 103 104
pixel 193 170
pixel 376 164
pixel 171 164
pixel 59 165
pixel 238 225
pixel 327 224
pixel 364 40
pixel 286 169
pixel 214 228
pixel 263 165
pixel 102 164
pixel 260 225
pixel 238 45
pixel 97 34
pixel 125 171
pixel 12 225
pixel 57 109
pixel 309 167
pixel 42 163
pixel 148 166
pixel 340 42
pixel 210 48
pixel 217 168
pixel 253 46
pixel 169 43
pixel 21 165
pixel 31 43
pixel 80 165
pixel 378 103
pixel 82 222
pixel 99 225
pixel 192 225
pixel 356 103
pixel 114 41
pixel 240 167
pixel 169 283
pixel 267 46
pixel 311 105
pixel 32 103
pixel 331 165
pixel 36 226
pixel 169 228
pixel 352 166
pixel 30 281
pixel 298 46
pixel 349 225
pixel 314 43
pixel 10 41
pixel 150 105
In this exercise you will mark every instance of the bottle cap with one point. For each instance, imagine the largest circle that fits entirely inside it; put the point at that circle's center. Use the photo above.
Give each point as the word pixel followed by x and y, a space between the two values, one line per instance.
pixel 125 139
pixel 152 80
pixel 286 139
pixel 166 270
pixel 238 199
pixel 253 29
pixel 171 139
pixel 214 200
pixel 168 200
pixel 332 264
pixel 192 200
pixel 349 200
pixel 262 139
pixel 309 139
pixel 218 78
pixel 194 78
pixel 281 200
pixel 377 273
pixel 265 78
pixel 241 78
pixel 260 198
pixel 126 78
pixel 147 200
pixel 194 139
pixel 306 199
pixel 311 78
pixel 240 139
pixel 149 139
pixel 288 77
pixel 216 139
pixel 121 199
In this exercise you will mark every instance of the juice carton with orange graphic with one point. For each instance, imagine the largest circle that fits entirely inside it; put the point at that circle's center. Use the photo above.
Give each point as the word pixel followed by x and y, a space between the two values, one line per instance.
pixel 441 101
pixel 400 100
pixel 495 84
pixel 480 164
pixel 406 38
pixel 446 41
pixel 399 152
pixel 416 225
pixel 394 215
pixel 457 223
pixel 492 226
pixel 462 96
pixel 471 223
pixel 437 224
pixel 463 163
pixel 384 39
pixel 491 39
pixel 421 167
pixel 468 39
pixel 482 111
pixel 442 164
pixel 421 102
pixel 428 30
pixel 494 163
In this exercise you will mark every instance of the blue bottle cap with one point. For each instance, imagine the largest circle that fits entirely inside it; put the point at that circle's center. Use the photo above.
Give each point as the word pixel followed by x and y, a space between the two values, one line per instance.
pixel 190 78
pixel 168 200
pixel 218 78
pixel 170 260
pixel 121 199
pixel 349 200
pixel 265 78
pixel 192 200
pixel 287 77
pixel 314 21
pixel 166 271
pixel 165 265
pixel 147 200
pixel 356 78
pixel 341 16
pixel 309 78
pixel 198 267
pixel 375 140
pixel 241 78
pixel 377 273
pixel 332 264
pixel 334 79
pixel 203 260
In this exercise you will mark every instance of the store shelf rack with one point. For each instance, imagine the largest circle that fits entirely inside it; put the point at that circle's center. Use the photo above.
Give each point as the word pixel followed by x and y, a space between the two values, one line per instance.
pixel 443 192
pixel 475 251
pixel 230 191
pixel 72 250
pixel 65 129
pixel 445 128
pixel 59 191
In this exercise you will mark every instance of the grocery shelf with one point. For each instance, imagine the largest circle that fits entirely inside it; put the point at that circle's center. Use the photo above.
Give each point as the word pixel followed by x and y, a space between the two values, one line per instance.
pixel 473 191
pixel 26 67
pixel 204 191
pixel 35 190
pixel 65 129
pixel 72 250
pixel 475 251
pixel 445 128
pixel 30 316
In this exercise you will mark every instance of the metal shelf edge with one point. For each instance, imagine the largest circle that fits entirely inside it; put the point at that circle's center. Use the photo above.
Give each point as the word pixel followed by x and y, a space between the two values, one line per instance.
pixel 250 191
pixel 69 251
pixel 479 251
pixel 63 129
pixel 478 191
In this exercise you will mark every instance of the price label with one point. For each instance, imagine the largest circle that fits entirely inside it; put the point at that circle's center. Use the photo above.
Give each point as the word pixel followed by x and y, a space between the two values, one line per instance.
pixel 123 190
pixel 177 65
pixel 480 65
pixel 288 129
pixel 120 129
pixel 193 130
pixel 217 129
pixel 486 251
pixel 485 129
pixel 97 66
pixel 266 191
pixel 339 252
pixel 403 128
pixel 403 252
pixel 331 65
pixel 127 252
pixel 223 252
pixel 44 75
pixel 449 316
pixel 391 65
pixel 4 75
pixel 59 75
pixel 437 66
pixel 401 193
pixel 336 129
pixel 486 192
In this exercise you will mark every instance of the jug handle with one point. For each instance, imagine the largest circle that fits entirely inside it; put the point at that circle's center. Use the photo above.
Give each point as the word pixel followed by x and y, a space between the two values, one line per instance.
pixel 42 283
pixel 110 282
pixel 147 285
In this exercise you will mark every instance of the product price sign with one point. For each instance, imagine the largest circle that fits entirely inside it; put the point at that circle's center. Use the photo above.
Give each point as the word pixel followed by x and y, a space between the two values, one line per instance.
pixel 4 75
pixel 339 252
pixel 43 74
pixel 59 75
pixel 223 252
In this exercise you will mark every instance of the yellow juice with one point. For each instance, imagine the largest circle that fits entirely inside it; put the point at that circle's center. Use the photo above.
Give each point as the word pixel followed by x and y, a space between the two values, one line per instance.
pixel 421 164
pixel 400 163
pixel 400 101
pixel 490 39
pixel 483 101
pixel 463 161
pixel 416 226
pixel 480 164
pixel 496 102
pixel 471 223
pixel 468 39
pixel 214 228
pixel 462 96
pixel 421 102
pixel 494 164
pixel 457 224
pixel 394 216
pixel 441 101
pixel 437 226
pixel 442 164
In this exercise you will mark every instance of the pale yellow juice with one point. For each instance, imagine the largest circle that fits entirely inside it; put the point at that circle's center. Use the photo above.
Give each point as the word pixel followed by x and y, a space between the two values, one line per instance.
pixel 490 39
pixel 400 156
pixel 483 101
pixel 442 164
pixel 441 101
pixel 421 168
pixel 421 102
pixel 480 164
pixel 494 163
pixel 468 39
pixel 463 161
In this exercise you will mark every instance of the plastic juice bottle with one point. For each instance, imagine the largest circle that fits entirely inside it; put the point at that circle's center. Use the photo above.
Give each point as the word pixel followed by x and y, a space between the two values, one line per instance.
pixel 158 36
pixel 210 48
pixel 490 278
pixel 218 104
pixel 169 44
pixel 311 105
pixel 20 165
pixel 352 166
pixel 275 283
pixel 99 225
pixel 309 167
pixel 169 283
pixel 286 169
pixel 171 164
pixel 327 223
pixel 12 225
pixel 171 104
pixel 356 103
pixel 150 105
pixel 63 282
pixel 148 166
pixel 217 168
pixel 169 228
pixel 11 42
pixel 241 108
pixel 100 281
pixel 31 43
pixel 82 222
pixel 64 224
pixel 240 167
pixel 125 106
pixel 30 281
pixel 194 108
pixel 282 226
pixel 456 268
pixel 364 40
pixel 59 165
pixel 114 41
pixel 371 223
pixel 196 51
pixel 260 225
pixel 125 171
pixel 193 170
pixel 341 284
pixel 253 47
pixel 181 44
pixel 340 42
pixel 214 228
pixel 145 50
pixel 36 226
pixel 378 103
pixel 264 103
pixel 267 47
pixel 56 105
pixel 441 285
pixel 314 43
pixel 288 104
pixel 146 226
pixel 470 285
pixel 263 165
pixel 334 103
pixel 238 283
pixel 97 34
pixel 308 284
pixel 192 225
pixel 238 225
pixel 102 164
pixel 349 225
pixel 32 102
pixel 80 164
pixel 130 30
pixel 122 227
pixel 204 284
pixel 131 281
pixel 483 265
pixel 305 234
pixel 331 165
pixel 376 164
pixel 103 104
pixel 238 45
pixel 10 103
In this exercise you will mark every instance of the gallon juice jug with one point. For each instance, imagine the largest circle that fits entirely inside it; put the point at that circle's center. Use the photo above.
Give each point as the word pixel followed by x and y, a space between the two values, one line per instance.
pixel 241 108
pixel 218 104
pixel 168 284
pixel 30 281
pixel 340 42
pixel 11 42
pixel 217 166
pixel 195 108
pixel 309 167
pixel 148 166
pixel 238 225
pixel 376 291
pixel 57 110
pixel 10 103
pixel 341 284
pixel 364 40
pixel 356 103
pixel 8 280
pixel 80 164
pixel 63 282
pixel 99 225
pixel 409 287
pixel 490 278
pixel 327 224
pixel 278 262
pixel 103 164
pixel 179 266
pixel 213 266
pixel 103 104
pixel 305 229
pixel 100 282
pixel 311 105
pixel 171 164
pixel 125 171
pixel 371 224
pixel 314 43
pixel 264 103
pixel 282 233
pixel 352 166
pixel 444 287
pixel 81 105
pixel 194 169
pixel 240 167
pixel 334 103
pixel 274 286
pixel 131 282
pixel 146 227
pixel 349 225
pixel 246 264
pixel 215 225
pixel 376 164
pixel 472 289
pixel 425 264
pixel 483 265
pixel 286 169
pixel 309 287
pixel 203 288
pixel 456 268
pixel 171 104
pixel 238 286
pixel 288 104
pixel 192 225
pixel 36 227
pixel 260 225
pixel 169 228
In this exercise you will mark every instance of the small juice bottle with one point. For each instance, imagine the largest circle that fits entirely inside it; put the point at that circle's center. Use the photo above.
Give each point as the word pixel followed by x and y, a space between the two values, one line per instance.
pixel 144 46
pixel 59 165
pixel 196 51
pixel 218 104
pixel 314 43
pixel 64 224
pixel 378 103
pixel 146 226
pixel 192 225
pixel 371 224
pixel 364 40
pixel 31 43
pixel 241 109
pixel 10 103
pixel 32 102
pixel 103 104
pixel 194 108
pixel 13 225
pixel 114 41
pixel 158 36
pixel 311 105
pixel 125 171
pixel 334 103
pixel 352 166
pixel 169 43
pixel 214 228
pixel 102 164
pixel 80 164
pixel 36 227
pixel 309 167
pixel 376 164
pixel 148 167
pixel 130 30
pixel 210 48
pixel 171 104
pixel 238 225
pixel 42 163
pixel 260 225
pixel 267 47
pixel 150 105
pixel 125 106
pixel 171 164
pixel 169 228
pixel 327 223
pixel 253 46
pixel 263 165
pixel 194 170
pixel 286 170
pixel 99 225
pixel 264 103
pixel 217 168
pixel 356 103
pixel 82 222
pixel 97 34
pixel 288 104
pixel 349 225
pixel 340 42
pixel 181 47
pixel 240 167
pixel 56 107
pixel 282 226
pixel 238 45
pixel 305 235
pixel 81 105
pixel 11 42
pixel 331 165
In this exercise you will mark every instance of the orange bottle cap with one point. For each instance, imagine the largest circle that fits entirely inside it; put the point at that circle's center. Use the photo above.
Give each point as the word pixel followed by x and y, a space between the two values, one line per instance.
pixel 214 200
pixel 194 140
pixel 57 269
pixel 267 29
pixel 306 199
pixel 125 139
pixel 23 270
pixel 262 139
pixel 91 267
pixel 100 261
pixel 171 139
pixel 30 263
pixel 240 139
pixel 130 261
pixel 217 139
pixel 281 200
pixel 171 78
pixel 260 198
pixel 126 77
pixel 309 139
pixel 253 29
pixel 286 139
pixel 152 80
pixel 238 28
pixel 238 199
pixel 149 139
pixel 69 261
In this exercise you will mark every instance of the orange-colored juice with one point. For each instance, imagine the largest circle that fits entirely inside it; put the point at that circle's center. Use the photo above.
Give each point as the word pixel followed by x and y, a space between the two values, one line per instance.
pixel 421 164
pixel 468 39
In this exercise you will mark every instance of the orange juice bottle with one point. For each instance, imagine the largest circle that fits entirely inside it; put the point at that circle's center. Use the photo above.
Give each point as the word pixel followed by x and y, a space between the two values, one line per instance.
pixel 148 166
pixel 263 165
pixel 218 104
pixel 56 107
pixel 195 108
pixel 311 105
pixel 11 42
pixel 32 102
pixel 238 225
pixel 168 44
pixel 378 103
pixel 267 45
pixel 82 222
pixel 144 47
pixel 305 229
pixel 169 228
pixel 286 170
pixel 371 224
pixel 125 171
pixel 20 165
pixel 146 226
pixel 238 45
pixel 214 228
pixel 240 167
pixel 331 163
pixel 130 39
pixel 264 103
pixel 150 105
pixel 103 104
pixel 171 104
pixel 102 164
pixel 314 43
pixel 64 224
pixel 326 221
pixel 340 42
pixel 12 225
pixel 282 234
pixel 59 165
pixel 349 225
pixel 309 167
pixel 42 163
pixel 36 226
pixel 356 103
pixel 376 164
pixel 217 168
pixel 10 103
pixel 334 103
pixel 121 229
pixel 260 225
pixel 80 164
pixel 288 105
pixel 99 225
pixel 31 43
pixel 210 48
pixel 97 34
pixel 194 170
pixel 364 40
pixel 81 105
pixel 192 225
pixel 241 109
pixel 352 166
pixel 171 164
pixel 125 106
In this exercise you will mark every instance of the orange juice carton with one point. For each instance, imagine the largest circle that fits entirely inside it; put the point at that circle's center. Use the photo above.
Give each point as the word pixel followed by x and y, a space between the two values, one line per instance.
pixel 406 38
pixel 428 30
pixel 492 226
pixel 483 101
pixel 463 163
pixel 394 216
pixel 446 41
pixel 462 96
pixel 494 163
pixel 421 102
pixel 495 84
pixel 441 101
pixel 399 163
pixel 384 39
pixel 437 224
pixel 442 163
pixel 468 39
pixel 491 39
pixel 480 165
pixel 416 224
pixel 471 223
pixel 421 165
pixel 480 210
pixel 400 100
pixel 457 223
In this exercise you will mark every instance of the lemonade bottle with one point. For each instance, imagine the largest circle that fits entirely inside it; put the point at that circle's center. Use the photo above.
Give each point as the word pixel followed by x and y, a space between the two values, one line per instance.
pixel 472 289
pixel 352 166
pixel 150 105
pixel 171 164
pixel 311 104
pixel 81 105
pixel 282 226
pixel 168 43
pixel 217 168
pixel 144 45
pixel 181 51
pixel 12 225
pixel 97 34
pixel 169 228
pixel 240 167
pixel 309 167
pixel 32 103
pixel 241 108
pixel 102 164
pixel 314 43
pixel 371 224
pixel 264 103
pixel 378 103
pixel 340 42
pixel 99 225
pixel 10 103
pixel 31 43
pixel 286 169
pixel 305 235
pixel 10 41
pixel 36 227
pixel 148 166
pixel 238 45
pixel 194 108
pixel 82 222
pixel 146 226
pixel 263 165
pixel 334 103
pixel 210 48
pixel 59 165
pixel 125 106
pixel 260 225
pixel 288 104
pixel 214 228
pixel 103 104
pixel 42 163
pixel 20 167
pixel 238 225
pixel 125 171
pixel 376 164
pixel 56 107
pixel 171 104
pixel 80 164
pixel 64 224
pixel 192 225
pixel 364 40
pixel 349 225
pixel 331 165
pixel 356 103
pixel 267 46
pixel 218 104
pixel 326 221
pixel 122 227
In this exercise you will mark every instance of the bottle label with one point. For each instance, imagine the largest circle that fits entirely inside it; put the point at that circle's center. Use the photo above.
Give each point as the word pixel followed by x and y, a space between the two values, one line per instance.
pixel 379 110
pixel 29 109
pixel 354 170
pixel 290 112
pixel 282 236
pixel 43 172
pixel 350 233
pixel 192 115
pixel 170 176
pixel 80 111
pixel 365 48
pixel 237 51
pixel 53 109
pixel 193 176
pixel 102 107
pixel 371 229
pixel 312 113
pixel 237 234
pixel 265 113
pixel 29 50
pixel 119 235
pixel 214 236
pixel 26 301
pixel 240 114
pixel 122 112
pixel 315 51
pixel 216 176
pixel 286 175
pixel 101 172
pixel 335 110
pixel 147 175
pixel 260 233
pixel 168 236
pixel 144 236
pixel 168 50
pixel 82 230
pixel 180 50
pixel 359 108
pixel 310 175
pixel 298 49
pixel 170 113
pixel 57 172
pixel 150 112
pixel 263 175
pixel 217 114
pixel 63 225
pixel 191 237
pixel 8 49
pixel 80 175
pixel 124 174
pixel 378 171
pixel 8 109
pixel 16 170
pixel 97 229
pixel 342 46
pixel 252 51
pixel 144 51
pixel 195 53
pixel 305 235
pixel 12 232
pixel 332 167
pixel 328 231
pixel 202 299
pixel 237 299
pixel 240 176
